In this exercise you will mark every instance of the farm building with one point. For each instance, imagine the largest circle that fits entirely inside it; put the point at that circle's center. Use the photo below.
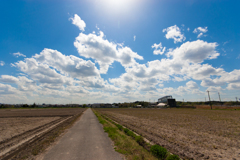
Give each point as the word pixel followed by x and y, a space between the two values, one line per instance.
pixel 168 100
pixel 96 105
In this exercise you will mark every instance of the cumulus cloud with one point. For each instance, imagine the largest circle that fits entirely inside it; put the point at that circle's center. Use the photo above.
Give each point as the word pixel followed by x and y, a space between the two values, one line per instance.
pixel 2 63
pixel 104 52
pixel 233 86
pixel 212 82
pixel 214 88
pixel 58 75
pixel 8 79
pixel 223 78
pixel 18 54
pixel 200 31
pixel 68 65
pixel 174 32
pixel 62 77
pixel 158 48
pixel 51 69
pixel 192 85
pixel 183 63
pixel 195 51
pixel 77 21
pixel 7 89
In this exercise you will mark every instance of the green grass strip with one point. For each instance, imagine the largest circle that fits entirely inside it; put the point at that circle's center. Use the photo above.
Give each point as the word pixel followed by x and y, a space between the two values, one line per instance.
pixel 157 151
pixel 124 144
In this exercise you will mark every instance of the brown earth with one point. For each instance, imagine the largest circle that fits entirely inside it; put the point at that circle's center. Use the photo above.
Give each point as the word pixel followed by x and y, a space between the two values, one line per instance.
pixel 216 107
pixel 189 133
pixel 10 127
pixel 16 125
pixel 46 112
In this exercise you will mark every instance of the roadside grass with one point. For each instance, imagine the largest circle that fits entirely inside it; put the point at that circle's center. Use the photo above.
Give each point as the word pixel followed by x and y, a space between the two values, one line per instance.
pixel 124 144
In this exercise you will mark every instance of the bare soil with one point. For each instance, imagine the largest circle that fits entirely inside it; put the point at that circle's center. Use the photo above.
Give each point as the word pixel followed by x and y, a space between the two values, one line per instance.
pixel 10 127
pixel 38 112
pixel 189 133
pixel 18 125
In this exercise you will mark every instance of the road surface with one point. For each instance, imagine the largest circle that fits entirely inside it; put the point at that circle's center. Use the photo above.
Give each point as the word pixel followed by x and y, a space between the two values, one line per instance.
pixel 85 140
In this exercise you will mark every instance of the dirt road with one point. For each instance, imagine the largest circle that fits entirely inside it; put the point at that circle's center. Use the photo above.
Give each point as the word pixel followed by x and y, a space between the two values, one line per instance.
pixel 86 140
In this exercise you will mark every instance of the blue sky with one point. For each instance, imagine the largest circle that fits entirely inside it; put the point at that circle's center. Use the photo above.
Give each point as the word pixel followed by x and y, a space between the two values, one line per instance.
pixel 93 51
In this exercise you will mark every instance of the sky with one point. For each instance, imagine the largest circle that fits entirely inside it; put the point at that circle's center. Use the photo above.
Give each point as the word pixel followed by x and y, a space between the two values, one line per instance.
pixel 105 51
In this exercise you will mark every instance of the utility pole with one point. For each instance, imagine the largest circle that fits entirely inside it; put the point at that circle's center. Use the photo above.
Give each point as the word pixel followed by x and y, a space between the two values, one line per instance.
pixel 205 99
pixel 209 99
pixel 219 97
pixel 236 99
pixel 183 100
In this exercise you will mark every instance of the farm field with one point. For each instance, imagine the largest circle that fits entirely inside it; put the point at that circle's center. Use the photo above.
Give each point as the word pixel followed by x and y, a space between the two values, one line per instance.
pixel 10 127
pixel 18 126
pixel 46 112
pixel 189 133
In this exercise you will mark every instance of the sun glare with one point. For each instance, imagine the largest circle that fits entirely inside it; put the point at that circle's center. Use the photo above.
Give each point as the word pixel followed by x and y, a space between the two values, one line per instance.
pixel 118 5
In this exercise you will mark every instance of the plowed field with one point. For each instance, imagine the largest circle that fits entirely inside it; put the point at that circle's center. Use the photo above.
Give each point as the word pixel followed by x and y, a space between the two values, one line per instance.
pixel 190 133
pixel 20 126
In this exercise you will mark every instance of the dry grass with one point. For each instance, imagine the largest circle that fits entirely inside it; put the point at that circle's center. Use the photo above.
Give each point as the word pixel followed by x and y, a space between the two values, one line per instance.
pixel 190 133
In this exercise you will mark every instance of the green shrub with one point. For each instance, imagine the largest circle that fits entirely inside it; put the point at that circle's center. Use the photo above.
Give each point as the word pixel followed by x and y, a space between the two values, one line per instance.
pixel 140 140
pixel 130 133
pixel 119 127
pixel 173 157
pixel 126 130
pixel 159 151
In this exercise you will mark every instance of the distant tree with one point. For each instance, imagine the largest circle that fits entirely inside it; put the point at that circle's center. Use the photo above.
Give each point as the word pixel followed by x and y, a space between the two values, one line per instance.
pixel 25 106
pixel 84 105
pixel 34 105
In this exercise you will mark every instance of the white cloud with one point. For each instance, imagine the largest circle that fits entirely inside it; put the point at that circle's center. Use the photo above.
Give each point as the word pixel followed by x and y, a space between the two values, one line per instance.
pixel 66 77
pixel 68 65
pixel 200 31
pixel 104 52
pixel 2 63
pixel 225 43
pixel 8 79
pixel 188 29
pixel 158 48
pixel 233 86
pixel 76 20
pixel 200 72
pixel 174 32
pixel 53 70
pixel 199 35
pixel 214 88
pixel 7 89
pixel 192 85
pixel 18 54
pixel 209 82
pixel 195 52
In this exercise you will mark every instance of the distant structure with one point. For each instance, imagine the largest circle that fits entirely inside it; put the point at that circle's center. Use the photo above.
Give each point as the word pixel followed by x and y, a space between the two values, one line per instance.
pixel 102 105
pixel 168 100
pixel 164 99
